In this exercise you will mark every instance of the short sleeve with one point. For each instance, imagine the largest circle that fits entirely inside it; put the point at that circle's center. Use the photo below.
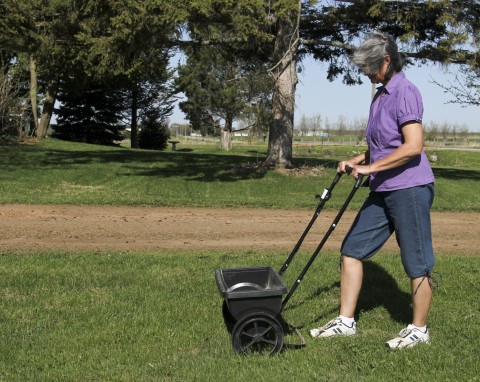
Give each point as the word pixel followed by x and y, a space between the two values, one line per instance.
pixel 410 106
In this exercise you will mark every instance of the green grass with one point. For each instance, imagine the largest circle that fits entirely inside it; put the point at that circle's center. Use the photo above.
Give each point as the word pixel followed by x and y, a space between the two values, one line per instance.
pixel 144 316
pixel 200 175
pixel 157 317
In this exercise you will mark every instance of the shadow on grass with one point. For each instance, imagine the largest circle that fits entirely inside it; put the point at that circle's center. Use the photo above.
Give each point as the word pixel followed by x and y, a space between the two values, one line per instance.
pixel 456 174
pixel 205 167
pixel 183 163
pixel 379 289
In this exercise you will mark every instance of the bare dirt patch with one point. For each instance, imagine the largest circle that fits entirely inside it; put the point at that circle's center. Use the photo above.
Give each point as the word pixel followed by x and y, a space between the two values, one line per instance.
pixel 156 228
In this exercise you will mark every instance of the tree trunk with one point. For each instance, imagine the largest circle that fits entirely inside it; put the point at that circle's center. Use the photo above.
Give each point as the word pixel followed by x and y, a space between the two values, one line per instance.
pixel 33 91
pixel 280 143
pixel 226 135
pixel 48 106
pixel 134 122
pixel 226 140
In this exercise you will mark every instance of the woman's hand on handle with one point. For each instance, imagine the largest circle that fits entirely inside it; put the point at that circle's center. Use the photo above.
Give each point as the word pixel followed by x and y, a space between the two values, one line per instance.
pixel 361 169
pixel 355 163
pixel 342 167
pixel 356 169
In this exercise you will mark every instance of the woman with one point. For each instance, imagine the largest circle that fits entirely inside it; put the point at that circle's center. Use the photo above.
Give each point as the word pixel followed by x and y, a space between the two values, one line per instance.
pixel 401 184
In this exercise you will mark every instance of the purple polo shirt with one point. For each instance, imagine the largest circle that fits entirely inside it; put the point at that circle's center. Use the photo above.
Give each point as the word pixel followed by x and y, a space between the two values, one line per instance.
pixel 400 102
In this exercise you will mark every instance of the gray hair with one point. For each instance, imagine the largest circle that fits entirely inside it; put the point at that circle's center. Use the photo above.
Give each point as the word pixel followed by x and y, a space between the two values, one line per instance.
pixel 370 54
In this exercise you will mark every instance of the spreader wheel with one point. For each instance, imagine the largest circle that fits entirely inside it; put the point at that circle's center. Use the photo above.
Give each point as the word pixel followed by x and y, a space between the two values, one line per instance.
pixel 257 334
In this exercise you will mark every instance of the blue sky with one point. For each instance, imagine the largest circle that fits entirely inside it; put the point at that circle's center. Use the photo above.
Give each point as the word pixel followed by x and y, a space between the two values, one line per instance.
pixel 316 95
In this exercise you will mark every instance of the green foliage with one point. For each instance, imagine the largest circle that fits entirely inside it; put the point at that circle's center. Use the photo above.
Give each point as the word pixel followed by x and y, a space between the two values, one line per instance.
pixel 154 134
pixel 91 115
pixel 219 86
pixel 236 22
pixel 116 316
pixel 108 41
pixel 440 31
pixel 126 37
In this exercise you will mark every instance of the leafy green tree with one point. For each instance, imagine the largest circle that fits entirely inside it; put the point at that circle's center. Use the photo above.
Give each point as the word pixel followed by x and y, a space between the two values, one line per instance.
pixel 89 39
pixel 441 31
pixel 43 33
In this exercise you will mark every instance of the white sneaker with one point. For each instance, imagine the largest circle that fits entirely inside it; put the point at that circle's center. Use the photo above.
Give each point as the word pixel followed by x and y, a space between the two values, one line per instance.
pixel 334 328
pixel 408 338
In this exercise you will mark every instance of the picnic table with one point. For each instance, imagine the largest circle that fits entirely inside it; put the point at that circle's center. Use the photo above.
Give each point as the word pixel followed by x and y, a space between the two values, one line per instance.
pixel 174 145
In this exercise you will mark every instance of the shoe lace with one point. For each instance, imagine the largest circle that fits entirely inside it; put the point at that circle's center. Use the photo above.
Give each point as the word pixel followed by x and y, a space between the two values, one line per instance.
pixel 333 322
pixel 405 332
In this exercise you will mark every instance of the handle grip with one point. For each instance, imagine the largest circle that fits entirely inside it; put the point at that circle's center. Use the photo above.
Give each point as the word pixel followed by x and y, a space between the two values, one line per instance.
pixel 359 181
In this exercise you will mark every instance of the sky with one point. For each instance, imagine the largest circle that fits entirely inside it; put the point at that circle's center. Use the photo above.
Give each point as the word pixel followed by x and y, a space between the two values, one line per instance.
pixel 316 95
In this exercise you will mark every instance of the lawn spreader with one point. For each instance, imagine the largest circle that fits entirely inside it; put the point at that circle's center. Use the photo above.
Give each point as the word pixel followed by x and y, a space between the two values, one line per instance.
pixel 252 297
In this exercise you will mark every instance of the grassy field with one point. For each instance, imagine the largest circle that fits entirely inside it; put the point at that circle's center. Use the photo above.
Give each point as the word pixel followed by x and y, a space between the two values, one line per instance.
pixel 144 316
pixel 202 175
pixel 157 317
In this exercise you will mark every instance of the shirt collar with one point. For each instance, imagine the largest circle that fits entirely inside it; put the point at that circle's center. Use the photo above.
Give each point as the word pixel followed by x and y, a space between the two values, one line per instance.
pixel 393 83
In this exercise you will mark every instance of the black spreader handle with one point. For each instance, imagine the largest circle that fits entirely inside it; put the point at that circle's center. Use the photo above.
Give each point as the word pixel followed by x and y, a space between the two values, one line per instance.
pixel 349 170
pixel 323 199
pixel 325 238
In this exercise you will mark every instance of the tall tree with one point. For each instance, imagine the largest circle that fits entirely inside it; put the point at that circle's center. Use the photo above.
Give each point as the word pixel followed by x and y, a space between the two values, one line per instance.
pixel 11 108
pixel 227 63
pixel 86 38
pixel 221 84
pixel 43 32
pixel 441 31
pixel 131 39
pixel 285 79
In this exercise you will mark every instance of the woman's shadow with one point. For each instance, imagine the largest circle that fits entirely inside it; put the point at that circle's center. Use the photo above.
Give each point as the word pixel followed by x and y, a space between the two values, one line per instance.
pixel 379 289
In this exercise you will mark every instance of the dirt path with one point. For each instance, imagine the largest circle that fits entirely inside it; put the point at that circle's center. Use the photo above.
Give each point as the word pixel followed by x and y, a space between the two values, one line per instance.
pixel 154 228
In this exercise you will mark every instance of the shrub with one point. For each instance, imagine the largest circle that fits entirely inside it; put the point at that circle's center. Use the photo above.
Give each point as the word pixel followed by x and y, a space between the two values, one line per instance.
pixel 153 134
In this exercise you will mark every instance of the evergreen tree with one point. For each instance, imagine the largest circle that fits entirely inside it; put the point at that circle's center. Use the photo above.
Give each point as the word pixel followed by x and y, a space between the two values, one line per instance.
pixel 90 114
pixel 220 85
pixel 131 40
pixel 154 132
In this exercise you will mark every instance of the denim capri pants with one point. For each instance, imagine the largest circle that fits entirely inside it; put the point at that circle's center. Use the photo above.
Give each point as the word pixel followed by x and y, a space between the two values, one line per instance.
pixel 405 212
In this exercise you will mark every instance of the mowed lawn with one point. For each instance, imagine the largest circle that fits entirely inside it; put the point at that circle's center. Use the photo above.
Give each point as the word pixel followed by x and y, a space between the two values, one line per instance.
pixel 158 317
pixel 203 175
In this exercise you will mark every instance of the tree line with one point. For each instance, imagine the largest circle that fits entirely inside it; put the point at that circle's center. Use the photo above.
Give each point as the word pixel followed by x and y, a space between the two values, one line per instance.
pixel 103 65
pixel 321 128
